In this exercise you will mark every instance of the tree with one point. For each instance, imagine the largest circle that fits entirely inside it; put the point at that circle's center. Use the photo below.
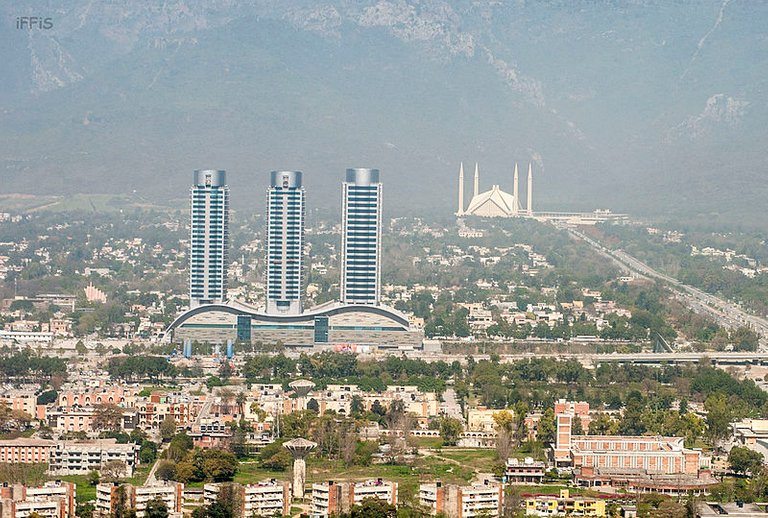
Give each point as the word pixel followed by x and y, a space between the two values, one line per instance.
pixel 364 451
pixel 450 430
pixel 631 422
pixel 357 406
pixel 180 445
pixel 186 472
pixel 602 425
pixel 274 457
pixel 80 348
pixel 371 507
pixel 108 417
pixel 113 471
pixel 120 503
pixel 156 508
pixel 47 397
pixel 168 428
pixel 215 464
pixel 505 428
pixel 84 510
pixel 225 506
pixel 166 470
pixel 93 478
pixel 22 305
pixel 240 400
pixel 743 460
pixel 546 430
pixel 577 428
pixel 215 510
pixel 147 452
pixel 718 417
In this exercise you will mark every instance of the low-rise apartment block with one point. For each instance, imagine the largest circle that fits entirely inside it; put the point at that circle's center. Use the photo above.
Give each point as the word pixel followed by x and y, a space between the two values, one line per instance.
pixel 266 498
pixel 80 458
pixel 527 471
pixel 332 497
pixel 51 500
pixel 564 505
pixel 462 501
pixel 26 451
pixel 108 497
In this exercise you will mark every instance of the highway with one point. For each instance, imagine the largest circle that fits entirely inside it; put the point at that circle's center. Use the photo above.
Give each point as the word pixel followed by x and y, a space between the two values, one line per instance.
pixel 725 313
pixel 591 360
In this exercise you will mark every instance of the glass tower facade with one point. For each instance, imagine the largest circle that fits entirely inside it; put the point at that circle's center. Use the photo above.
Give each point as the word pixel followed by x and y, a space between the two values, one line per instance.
pixel 209 239
pixel 361 237
pixel 285 242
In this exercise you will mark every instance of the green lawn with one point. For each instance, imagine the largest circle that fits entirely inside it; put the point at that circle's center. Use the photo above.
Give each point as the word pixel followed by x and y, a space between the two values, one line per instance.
pixel 249 472
pixel 15 435
pixel 426 442
pixel 76 202
pixel 85 491
pixel 480 459
pixel 19 473
pixel 140 474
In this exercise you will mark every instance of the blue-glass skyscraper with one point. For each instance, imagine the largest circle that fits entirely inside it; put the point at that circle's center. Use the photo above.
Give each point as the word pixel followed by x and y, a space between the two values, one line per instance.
pixel 285 242
pixel 209 238
pixel 361 237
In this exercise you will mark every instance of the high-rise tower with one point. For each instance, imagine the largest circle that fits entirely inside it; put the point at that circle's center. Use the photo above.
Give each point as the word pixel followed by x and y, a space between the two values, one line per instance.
pixel 285 242
pixel 361 237
pixel 209 239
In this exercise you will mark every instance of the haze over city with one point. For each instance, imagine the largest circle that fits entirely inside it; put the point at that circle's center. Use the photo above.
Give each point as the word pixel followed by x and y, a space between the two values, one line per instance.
pixel 383 259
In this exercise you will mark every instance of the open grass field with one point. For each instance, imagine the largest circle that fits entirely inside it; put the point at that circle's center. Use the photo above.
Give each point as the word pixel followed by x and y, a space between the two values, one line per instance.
pixel 249 472
pixel 481 460
pixel 76 202
pixel 85 491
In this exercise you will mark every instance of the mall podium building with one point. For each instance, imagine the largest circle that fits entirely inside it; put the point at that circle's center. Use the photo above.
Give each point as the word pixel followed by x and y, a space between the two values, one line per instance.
pixel 341 326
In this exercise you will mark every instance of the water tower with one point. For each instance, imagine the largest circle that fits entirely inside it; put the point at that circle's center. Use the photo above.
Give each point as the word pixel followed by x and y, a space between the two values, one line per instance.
pixel 299 448
pixel 301 387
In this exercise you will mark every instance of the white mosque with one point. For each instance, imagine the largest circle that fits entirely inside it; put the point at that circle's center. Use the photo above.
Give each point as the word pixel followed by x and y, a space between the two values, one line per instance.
pixel 495 203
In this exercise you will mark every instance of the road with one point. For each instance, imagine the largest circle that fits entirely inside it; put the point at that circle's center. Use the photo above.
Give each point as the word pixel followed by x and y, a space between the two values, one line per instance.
pixel 725 313
pixel 592 359
pixel 450 406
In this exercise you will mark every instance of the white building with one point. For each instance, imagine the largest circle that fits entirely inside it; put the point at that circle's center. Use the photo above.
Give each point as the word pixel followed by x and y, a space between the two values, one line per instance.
pixel 494 203
pixel 80 458
pixel 462 501
pixel 265 498
pixel 51 500
pixel 331 497
pixel 137 497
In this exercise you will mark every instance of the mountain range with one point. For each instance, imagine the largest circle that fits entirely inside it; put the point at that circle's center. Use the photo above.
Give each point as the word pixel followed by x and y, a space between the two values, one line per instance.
pixel 649 107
